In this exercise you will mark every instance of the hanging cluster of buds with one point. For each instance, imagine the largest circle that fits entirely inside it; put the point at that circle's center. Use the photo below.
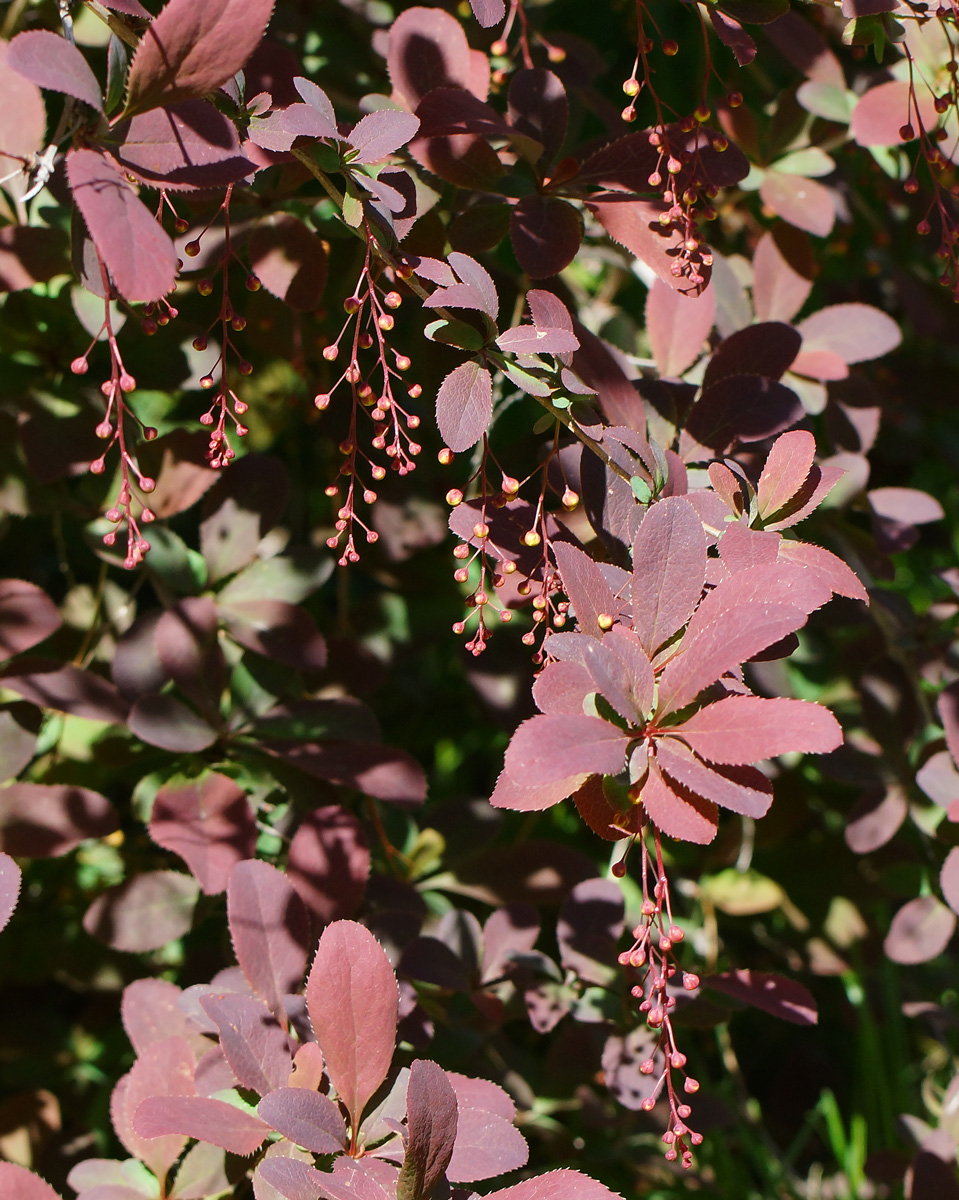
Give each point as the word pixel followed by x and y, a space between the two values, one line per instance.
pixel 653 955
pixel 373 371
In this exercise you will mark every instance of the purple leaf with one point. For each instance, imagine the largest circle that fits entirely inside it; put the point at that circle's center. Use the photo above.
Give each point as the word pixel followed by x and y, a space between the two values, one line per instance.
pixel 488 12
pixel 150 1012
pixel 547 749
pixel 191 49
pixel 905 505
pixel 783 998
pixel 164 1070
pixel 17 1183
pixel 741 789
pixel 939 779
pixel 50 61
pixel 635 224
pixel 487 1142
pixel 539 108
pixel 949 879
pixel 947 706
pixel 380 133
pixel 677 327
pixel 746 729
pixel 269 927
pixel 475 289
pixel 589 926
pixel 669 570
pixel 563 1184
pixel 242 508
pixel 528 339
pixel 200 1117
pixel 380 771
pixel 289 260
pixel 732 34
pixel 464 406
pixel 39 820
pixel 622 1057
pixel 307 1118
pixel 30 255
pixel 920 930
pixel 290 1178
pixel 143 913
pixel 329 862
pixel 277 630
pixel 854 332
pixel 318 100
pixel 190 145
pixel 10 878
pixel 253 1043
pixel 189 651
pixel 428 49
pixel 209 824
pixel 431 1117
pixel 875 818
pixel 166 722
pixel 27 616
pixel 589 594
pixel 678 812
pixel 548 311
pixel 745 408
pixel 279 129
pixel 515 927
pixel 546 233
pixel 367 1179
pixel 802 202
pixel 353 1002
pixel 68 689
pixel 135 249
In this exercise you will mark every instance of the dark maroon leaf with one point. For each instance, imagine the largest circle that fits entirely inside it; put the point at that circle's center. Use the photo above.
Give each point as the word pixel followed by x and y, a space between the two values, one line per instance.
pixel 875 818
pixel 136 666
pixel 947 706
pixel 431 1118
pixel 669 571
pixel 488 12
pixel 635 224
pixel 240 510
pixel 597 365
pixel 427 49
pixel 190 145
pixel 137 252
pixel 745 729
pixel 269 927
pixel 29 255
pixel 252 1041
pixel 539 108
pixel 27 616
pixel 920 930
pixel 52 62
pixel 783 998
pixel 745 408
pixel 467 160
pixel 277 630
pixel 44 820
pixel 193 49
pixel 678 812
pixel 19 726
pixel 380 133
pixel 187 645
pixel 732 34
pixel 307 1118
pixel 289 260
pixel 353 1002
pixel 464 406
pixel 767 349
pixel 487 1143
pixel 381 771
pixel 625 163
pixel 166 722
pixel 209 1120
pixel 547 749
pixel 9 888
pixel 145 912
pixel 209 824
pixel 329 862
pixel 68 689
pixel 589 926
pixel 546 233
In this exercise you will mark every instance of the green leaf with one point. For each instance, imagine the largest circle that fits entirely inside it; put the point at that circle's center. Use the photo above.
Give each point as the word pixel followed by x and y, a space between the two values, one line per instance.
pixel 454 333
pixel 641 489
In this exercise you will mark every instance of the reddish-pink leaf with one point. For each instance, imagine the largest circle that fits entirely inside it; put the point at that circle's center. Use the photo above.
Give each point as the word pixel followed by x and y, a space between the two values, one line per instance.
pixel 669 570
pixel 145 912
pixel 353 1002
pixel 677 326
pixel 27 616
pixel 150 1012
pixel 137 252
pixel 307 1118
pixel 431 1118
pixel 164 1070
pixel 208 1120
pixel 191 49
pixel 740 789
pixel 824 365
pixel 547 749
pixel 289 260
pixel 532 798
pixel 854 332
pixel 875 818
pixel 939 779
pixel 564 1184
pixel 780 288
pixel 622 672
pixel 920 930
pixel 584 583
pixel 380 133
pixel 833 572
pixel 289 1178
pixel 50 61
pixel 488 12
pixel 783 998
pixel 949 879
pixel 464 406
pixel 908 506
pixel 252 1041
pixel 948 708
pixel 428 49
pixel 635 224
pixel 23 120
pixel 270 930
pixel 487 1142
pixel 190 145
pixel 546 233
pixel 528 339
pixel 17 1183
pixel 329 862
pixel 561 687
pixel 9 888
pixel 678 812
pixel 800 201
pixel 741 547
pixel 44 820
pixel 745 729
pixel 279 129
pixel 209 824
pixel 788 464
pixel 884 109
pixel 367 1179
pixel 776 583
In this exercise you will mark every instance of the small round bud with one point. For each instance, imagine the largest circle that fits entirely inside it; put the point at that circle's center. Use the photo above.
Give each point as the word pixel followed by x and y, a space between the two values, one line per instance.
pixel 147 484
pixel 415 392
pixel 79 366
pixel 204 287
pixel 941 104
pixel 691 1086
pixel 510 485
pixel 200 343
pixel 245 368
pixel 206 382
pixel 192 249
pixel 531 538
pixel 98 466
pixel 385 322
pixel 655 179
pixel 734 99
pixel 701 113
pixel 402 363
pixel 378 473
pixel 149 326
pixel 604 621
pixel 906 132
pixel 127 383
pixel 670 48
pixel 459 626
pixel 677 1060
pixel 499 47
pixel 454 497
pixel 351 305
pixel 480 530
pixel 628 113
pixel 253 284
pixel 631 87
pixel 505 616
pixel 392 299
pixel 923 228
pixel 330 353
pixel 569 499
pixel 104 429
pixel 648 1104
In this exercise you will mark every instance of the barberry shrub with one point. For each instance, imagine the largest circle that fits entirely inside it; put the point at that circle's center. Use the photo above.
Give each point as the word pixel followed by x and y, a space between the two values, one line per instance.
pixel 295 296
